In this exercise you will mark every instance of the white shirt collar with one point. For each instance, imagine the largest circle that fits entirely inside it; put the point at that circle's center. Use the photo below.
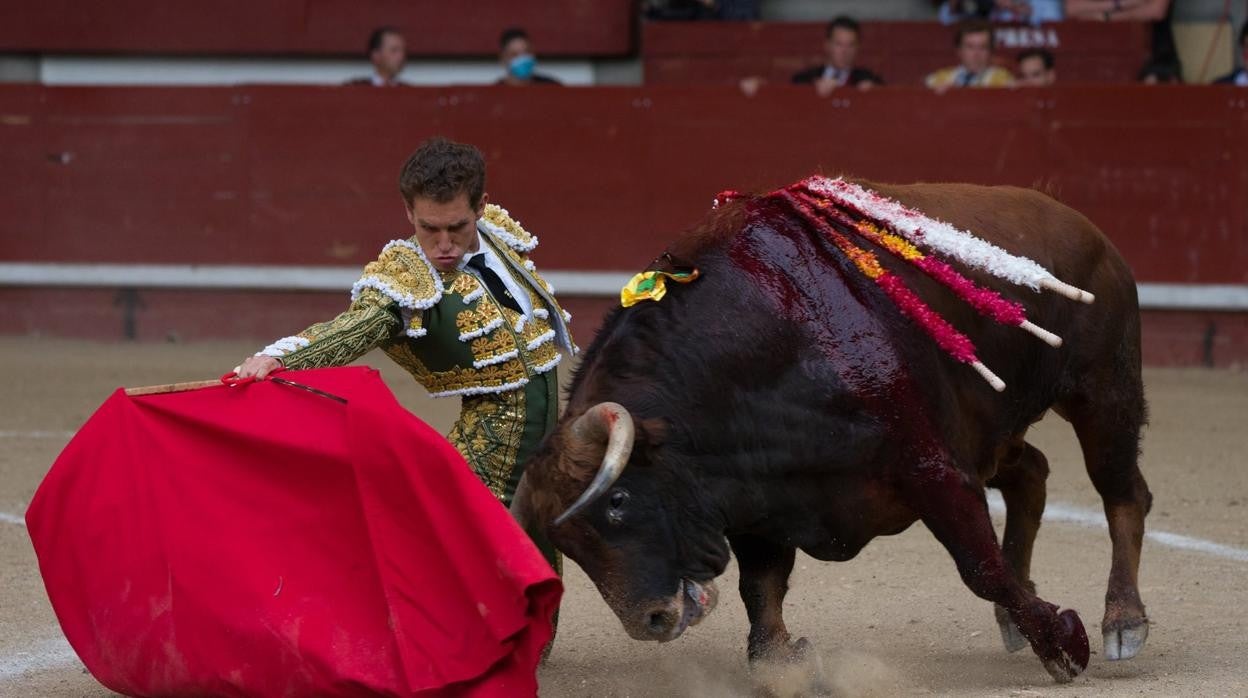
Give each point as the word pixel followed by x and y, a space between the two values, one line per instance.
pixel 499 267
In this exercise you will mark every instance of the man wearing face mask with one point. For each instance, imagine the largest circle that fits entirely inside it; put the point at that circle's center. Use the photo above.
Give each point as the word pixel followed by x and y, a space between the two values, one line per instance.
pixel 515 52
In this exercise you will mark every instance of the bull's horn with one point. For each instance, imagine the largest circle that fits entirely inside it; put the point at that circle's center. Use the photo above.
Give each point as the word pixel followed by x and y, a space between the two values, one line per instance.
pixel 610 422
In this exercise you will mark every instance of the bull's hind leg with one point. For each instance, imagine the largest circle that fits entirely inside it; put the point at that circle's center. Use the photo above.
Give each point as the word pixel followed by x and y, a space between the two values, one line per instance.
pixel 1107 421
pixel 1021 474
pixel 955 511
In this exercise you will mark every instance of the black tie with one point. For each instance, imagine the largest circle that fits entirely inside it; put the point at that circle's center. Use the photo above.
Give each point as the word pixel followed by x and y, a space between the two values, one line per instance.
pixel 498 290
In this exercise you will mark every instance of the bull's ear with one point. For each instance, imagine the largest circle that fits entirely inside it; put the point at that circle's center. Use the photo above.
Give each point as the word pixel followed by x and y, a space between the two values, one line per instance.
pixel 533 504
pixel 651 433
pixel 522 504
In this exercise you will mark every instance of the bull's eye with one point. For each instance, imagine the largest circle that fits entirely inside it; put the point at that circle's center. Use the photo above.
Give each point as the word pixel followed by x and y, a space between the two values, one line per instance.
pixel 615 506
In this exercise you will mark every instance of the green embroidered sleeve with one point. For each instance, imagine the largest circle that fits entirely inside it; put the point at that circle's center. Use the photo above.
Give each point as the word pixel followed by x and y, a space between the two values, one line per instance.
pixel 368 323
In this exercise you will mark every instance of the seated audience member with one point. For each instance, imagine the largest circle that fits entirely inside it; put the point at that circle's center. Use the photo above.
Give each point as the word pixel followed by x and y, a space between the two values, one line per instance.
pixel 1240 76
pixel 1033 11
pixel 515 52
pixel 973 41
pixel 387 51
pixel 740 10
pixel 840 48
pixel 1160 74
pixel 1117 10
pixel 1035 68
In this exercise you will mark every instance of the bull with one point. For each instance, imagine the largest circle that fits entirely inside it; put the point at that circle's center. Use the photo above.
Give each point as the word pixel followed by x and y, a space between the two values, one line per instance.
pixel 781 402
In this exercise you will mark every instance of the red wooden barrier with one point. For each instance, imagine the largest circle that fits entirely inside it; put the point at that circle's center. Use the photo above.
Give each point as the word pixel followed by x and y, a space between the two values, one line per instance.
pixel 710 53
pixel 269 27
pixel 296 175
pixel 605 176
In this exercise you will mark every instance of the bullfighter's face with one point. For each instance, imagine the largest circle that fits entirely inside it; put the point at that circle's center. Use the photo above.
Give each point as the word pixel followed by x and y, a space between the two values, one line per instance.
pixel 446 230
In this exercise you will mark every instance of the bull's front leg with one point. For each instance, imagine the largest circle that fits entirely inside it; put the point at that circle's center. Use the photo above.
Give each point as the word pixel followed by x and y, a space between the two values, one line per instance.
pixel 776 659
pixel 765 569
pixel 955 511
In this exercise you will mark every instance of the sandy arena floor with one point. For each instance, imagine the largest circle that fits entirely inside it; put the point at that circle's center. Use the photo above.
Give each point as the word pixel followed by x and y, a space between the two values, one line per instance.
pixel 895 621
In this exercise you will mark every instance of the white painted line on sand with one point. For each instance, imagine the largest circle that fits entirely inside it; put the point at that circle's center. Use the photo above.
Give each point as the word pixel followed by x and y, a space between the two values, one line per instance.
pixel 1064 513
pixel 1175 540
pixel 14 519
pixel 44 656
pixel 34 434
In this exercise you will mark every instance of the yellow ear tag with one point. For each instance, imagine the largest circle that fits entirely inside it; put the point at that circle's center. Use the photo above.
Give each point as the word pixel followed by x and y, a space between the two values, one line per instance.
pixel 652 286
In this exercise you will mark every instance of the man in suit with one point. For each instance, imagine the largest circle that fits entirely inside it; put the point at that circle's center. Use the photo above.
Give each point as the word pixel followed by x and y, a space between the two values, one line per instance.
pixel 460 306
pixel 840 47
pixel 387 51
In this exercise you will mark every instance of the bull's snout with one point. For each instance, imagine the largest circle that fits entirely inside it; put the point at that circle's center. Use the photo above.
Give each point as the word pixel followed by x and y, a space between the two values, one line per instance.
pixel 660 621
pixel 665 619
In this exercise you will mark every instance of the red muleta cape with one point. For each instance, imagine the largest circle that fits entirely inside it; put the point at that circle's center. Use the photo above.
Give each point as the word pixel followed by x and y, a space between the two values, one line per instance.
pixel 262 540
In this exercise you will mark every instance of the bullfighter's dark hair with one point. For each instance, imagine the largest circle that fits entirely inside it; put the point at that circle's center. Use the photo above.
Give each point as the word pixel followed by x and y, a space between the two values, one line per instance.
pixel 844 22
pixel 441 169
pixel 379 35
pixel 972 26
pixel 1044 55
pixel 509 35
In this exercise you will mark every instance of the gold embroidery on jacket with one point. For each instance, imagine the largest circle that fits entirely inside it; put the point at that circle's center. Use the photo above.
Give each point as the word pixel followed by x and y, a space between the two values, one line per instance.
pixel 498 216
pixel 477 320
pixel 404 271
pixel 347 337
pixel 508 375
pixel 487 350
pixel 464 284
pixel 488 435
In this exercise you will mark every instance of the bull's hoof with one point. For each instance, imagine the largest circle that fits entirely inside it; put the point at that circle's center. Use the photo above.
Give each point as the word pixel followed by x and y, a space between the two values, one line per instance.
pixel 1125 639
pixel 795 669
pixel 1010 634
pixel 1073 650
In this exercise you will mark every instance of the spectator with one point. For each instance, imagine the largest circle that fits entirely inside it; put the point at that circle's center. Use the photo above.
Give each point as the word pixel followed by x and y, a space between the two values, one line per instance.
pixel 515 52
pixel 741 10
pixel 973 40
pixel 1033 11
pixel 840 47
pixel 1117 10
pixel 1240 76
pixel 1160 74
pixel 1035 68
pixel 387 51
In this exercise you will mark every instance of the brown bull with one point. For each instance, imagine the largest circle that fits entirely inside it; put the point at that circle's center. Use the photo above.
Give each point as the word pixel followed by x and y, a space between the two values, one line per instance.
pixel 782 401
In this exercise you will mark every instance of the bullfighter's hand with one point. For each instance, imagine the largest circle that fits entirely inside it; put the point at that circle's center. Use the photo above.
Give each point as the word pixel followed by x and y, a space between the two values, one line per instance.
pixel 257 367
